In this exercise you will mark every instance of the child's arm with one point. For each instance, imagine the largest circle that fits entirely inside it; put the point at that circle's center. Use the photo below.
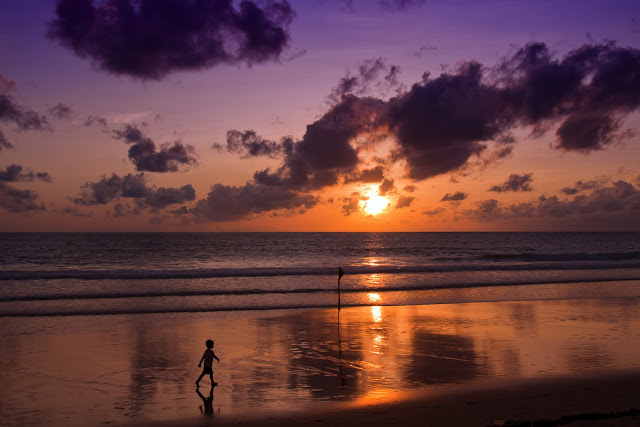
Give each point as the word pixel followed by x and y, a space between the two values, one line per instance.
pixel 216 357
pixel 200 363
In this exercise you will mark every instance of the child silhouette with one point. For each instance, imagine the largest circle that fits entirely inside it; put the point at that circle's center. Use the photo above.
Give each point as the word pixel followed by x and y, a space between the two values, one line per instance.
pixel 207 357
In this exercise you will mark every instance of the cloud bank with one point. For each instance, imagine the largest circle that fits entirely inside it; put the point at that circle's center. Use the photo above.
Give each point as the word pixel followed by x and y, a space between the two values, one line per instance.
pixel 620 197
pixel 451 122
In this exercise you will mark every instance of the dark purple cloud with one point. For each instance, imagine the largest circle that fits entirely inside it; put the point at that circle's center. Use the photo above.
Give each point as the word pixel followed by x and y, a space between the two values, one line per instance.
pixel 442 122
pixel 404 202
pixel 587 132
pixel 134 187
pixel 60 111
pixel 229 203
pixel 149 39
pixel 249 144
pixel 454 197
pixel 591 89
pixel 16 173
pixel 515 182
pixel 18 201
pixel 372 175
pixel 326 149
pixel 146 157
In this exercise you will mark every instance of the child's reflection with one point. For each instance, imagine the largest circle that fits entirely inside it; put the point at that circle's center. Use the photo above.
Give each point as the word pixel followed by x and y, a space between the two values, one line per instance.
pixel 207 401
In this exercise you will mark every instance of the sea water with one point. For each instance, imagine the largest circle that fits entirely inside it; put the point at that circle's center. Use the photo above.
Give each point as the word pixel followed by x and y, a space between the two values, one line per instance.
pixel 110 273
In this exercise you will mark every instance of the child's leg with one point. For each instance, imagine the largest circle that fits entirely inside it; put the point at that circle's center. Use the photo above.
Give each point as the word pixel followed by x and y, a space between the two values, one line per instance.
pixel 212 381
pixel 199 378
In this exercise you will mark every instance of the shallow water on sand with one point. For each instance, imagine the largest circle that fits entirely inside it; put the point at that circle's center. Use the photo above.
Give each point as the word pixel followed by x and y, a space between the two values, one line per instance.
pixel 118 368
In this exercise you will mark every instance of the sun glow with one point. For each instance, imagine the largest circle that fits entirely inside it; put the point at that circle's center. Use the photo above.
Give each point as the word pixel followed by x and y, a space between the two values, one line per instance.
pixel 375 203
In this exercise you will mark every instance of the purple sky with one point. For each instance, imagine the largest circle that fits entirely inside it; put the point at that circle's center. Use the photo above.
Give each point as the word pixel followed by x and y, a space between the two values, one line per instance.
pixel 278 116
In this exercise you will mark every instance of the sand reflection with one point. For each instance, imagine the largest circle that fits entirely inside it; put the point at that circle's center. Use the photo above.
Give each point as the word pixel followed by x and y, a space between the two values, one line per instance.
pixel 117 368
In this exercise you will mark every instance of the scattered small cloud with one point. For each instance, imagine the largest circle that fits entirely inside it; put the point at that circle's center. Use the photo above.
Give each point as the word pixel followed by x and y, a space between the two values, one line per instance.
pixel 146 157
pixel 410 188
pixel 404 202
pixel 15 200
pixel 434 212
pixel 426 50
pixel 514 183
pixel 250 144
pixel 371 74
pixel 11 112
pixel 454 197
pixel 351 204
pixel 133 187
pixel 386 187
pixel 93 119
pixel 17 173
pixel 60 111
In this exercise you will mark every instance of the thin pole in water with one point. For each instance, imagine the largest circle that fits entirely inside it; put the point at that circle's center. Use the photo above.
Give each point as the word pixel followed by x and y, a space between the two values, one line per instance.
pixel 340 274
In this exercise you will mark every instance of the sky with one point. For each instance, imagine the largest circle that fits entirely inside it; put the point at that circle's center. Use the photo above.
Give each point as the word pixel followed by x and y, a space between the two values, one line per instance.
pixel 318 115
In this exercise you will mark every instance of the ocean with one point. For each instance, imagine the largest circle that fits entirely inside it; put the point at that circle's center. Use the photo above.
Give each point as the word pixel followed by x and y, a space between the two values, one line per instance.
pixel 49 274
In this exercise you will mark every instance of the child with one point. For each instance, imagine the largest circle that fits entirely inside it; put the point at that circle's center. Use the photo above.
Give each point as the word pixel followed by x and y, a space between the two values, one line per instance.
pixel 208 357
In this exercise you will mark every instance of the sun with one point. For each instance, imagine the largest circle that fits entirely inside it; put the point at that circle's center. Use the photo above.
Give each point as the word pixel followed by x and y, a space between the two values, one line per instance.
pixel 375 203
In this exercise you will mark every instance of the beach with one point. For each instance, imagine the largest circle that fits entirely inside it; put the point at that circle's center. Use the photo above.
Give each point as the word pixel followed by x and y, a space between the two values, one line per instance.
pixel 442 364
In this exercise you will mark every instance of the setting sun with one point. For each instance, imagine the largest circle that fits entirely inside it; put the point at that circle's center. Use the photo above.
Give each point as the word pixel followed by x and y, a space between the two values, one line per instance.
pixel 375 203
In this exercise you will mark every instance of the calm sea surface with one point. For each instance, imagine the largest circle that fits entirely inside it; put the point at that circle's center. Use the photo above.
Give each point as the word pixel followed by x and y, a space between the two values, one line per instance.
pixel 107 273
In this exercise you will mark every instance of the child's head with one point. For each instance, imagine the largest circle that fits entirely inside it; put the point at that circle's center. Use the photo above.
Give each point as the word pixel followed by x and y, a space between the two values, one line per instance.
pixel 209 343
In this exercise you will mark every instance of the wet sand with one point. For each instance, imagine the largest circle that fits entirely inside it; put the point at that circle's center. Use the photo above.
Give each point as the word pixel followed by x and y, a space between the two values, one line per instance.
pixel 454 364
pixel 598 399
